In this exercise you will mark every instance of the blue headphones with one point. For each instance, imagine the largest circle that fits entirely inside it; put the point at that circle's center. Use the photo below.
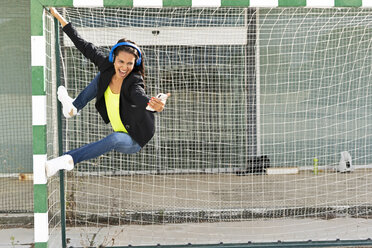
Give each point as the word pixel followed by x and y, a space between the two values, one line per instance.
pixel 111 56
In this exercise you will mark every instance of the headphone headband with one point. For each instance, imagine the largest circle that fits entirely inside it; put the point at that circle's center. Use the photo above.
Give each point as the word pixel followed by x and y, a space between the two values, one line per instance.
pixel 111 56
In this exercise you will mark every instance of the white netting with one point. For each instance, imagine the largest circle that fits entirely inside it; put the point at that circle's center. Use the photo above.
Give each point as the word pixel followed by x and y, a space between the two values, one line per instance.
pixel 291 84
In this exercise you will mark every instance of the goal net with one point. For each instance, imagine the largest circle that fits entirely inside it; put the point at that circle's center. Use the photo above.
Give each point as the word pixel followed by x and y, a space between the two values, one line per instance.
pixel 253 90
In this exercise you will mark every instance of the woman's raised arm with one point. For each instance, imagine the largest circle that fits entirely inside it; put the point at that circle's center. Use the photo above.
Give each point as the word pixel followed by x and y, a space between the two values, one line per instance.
pixel 85 47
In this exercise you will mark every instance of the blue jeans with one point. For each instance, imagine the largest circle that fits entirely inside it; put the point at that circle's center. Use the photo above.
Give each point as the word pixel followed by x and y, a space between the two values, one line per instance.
pixel 88 94
pixel 118 141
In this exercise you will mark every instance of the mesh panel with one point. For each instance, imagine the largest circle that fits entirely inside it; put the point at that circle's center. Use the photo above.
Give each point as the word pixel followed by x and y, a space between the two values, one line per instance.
pixel 289 84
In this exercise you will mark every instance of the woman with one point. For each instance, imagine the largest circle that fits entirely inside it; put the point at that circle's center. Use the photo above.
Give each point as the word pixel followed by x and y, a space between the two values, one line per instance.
pixel 120 100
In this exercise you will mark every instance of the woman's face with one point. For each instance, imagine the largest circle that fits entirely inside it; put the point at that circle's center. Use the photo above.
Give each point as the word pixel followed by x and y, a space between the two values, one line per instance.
pixel 124 63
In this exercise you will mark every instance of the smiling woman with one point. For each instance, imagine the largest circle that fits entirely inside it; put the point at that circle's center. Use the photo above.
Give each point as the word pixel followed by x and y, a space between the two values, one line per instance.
pixel 124 63
pixel 125 55
pixel 121 100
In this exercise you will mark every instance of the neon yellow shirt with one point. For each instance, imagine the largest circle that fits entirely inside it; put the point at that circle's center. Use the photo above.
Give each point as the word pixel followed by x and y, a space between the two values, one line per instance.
pixel 112 106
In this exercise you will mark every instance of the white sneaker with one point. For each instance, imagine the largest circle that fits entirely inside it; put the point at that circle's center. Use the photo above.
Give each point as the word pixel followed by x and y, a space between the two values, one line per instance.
pixel 68 109
pixel 64 162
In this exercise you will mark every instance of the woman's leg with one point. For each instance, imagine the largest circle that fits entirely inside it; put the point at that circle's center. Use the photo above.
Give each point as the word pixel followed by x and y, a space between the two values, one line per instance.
pixel 70 107
pixel 117 141
pixel 88 94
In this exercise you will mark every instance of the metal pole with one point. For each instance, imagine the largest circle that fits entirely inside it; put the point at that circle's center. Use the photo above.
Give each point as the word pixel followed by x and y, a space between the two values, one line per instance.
pixel 60 146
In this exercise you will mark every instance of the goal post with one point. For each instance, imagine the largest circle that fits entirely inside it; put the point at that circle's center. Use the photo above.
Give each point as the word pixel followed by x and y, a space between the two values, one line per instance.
pixel 283 81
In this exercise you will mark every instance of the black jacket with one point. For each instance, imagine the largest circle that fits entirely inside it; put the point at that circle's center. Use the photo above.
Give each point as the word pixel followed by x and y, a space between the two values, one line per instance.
pixel 138 121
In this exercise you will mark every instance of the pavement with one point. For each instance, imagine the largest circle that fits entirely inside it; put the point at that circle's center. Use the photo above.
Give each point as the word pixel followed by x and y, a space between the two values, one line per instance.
pixel 17 237
pixel 102 195
pixel 195 233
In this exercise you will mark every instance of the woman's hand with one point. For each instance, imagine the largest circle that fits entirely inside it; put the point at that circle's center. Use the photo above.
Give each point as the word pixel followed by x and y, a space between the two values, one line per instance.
pixel 156 104
pixel 58 16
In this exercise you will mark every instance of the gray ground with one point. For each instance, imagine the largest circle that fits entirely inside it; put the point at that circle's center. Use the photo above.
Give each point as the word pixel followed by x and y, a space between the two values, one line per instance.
pixel 221 191
pixel 208 233
pixel 207 208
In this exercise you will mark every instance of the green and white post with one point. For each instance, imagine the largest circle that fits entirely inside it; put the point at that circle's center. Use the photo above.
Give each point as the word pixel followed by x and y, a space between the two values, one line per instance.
pixel 39 126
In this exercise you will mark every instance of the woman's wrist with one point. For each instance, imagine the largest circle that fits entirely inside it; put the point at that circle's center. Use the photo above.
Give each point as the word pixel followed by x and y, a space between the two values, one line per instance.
pixel 58 16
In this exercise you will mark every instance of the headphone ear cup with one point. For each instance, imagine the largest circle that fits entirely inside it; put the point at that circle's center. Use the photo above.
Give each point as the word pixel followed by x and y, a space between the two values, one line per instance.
pixel 138 62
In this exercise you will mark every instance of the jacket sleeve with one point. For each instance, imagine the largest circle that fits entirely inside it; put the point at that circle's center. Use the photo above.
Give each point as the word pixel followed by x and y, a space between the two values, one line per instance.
pixel 85 47
pixel 138 94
